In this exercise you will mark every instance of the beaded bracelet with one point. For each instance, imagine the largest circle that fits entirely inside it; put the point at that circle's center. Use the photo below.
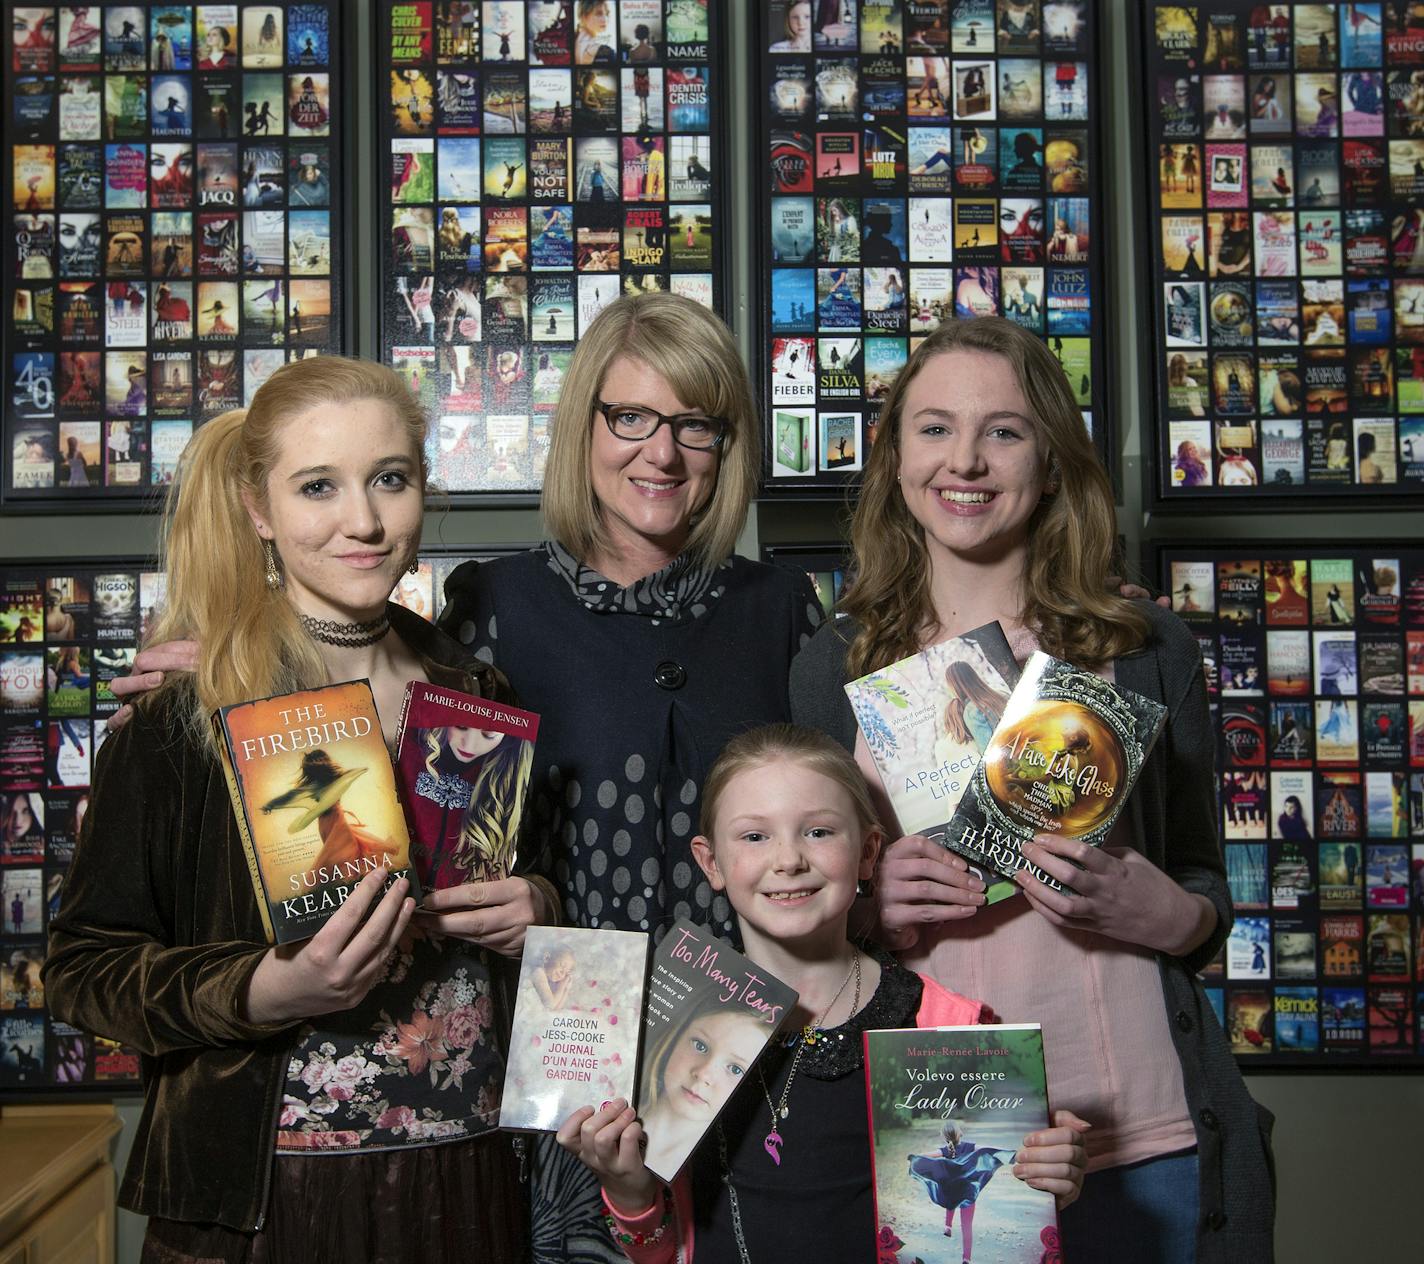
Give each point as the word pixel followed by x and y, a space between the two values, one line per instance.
pixel 640 1238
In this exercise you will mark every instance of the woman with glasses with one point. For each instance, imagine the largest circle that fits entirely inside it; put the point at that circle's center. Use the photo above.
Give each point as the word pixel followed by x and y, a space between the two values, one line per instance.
pixel 640 638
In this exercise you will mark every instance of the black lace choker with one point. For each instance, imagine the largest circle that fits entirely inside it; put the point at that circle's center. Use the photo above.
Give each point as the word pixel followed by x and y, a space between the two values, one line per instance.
pixel 345 635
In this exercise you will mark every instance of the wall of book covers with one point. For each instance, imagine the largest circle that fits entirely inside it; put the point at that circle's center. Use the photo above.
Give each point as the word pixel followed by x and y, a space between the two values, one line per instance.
pixel 173 231
pixel 543 159
pixel 1315 666
pixel 921 159
pixel 66 630
pixel 1285 195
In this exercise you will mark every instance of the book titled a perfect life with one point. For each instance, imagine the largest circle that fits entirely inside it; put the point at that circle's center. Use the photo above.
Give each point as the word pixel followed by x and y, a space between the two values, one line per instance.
pixel 949 1108
pixel 315 799
pixel 926 721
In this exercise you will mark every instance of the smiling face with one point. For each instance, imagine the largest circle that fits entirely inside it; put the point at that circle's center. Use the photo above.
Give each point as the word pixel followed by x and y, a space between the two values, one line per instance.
pixel 972 461
pixel 788 849
pixel 344 508
pixel 647 489
pixel 707 1063
pixel 469 744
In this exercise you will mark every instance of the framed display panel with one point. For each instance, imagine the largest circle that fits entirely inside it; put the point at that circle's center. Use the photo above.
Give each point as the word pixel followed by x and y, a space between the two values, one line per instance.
pixel 1283 218
pixel 825 565
pixel 1315 669
pixel 66 630
pixel 540 161
pixel 176 230
pixel 919 161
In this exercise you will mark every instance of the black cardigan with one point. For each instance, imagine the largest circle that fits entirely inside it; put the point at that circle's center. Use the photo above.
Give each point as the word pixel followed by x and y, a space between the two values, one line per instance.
pixel 1233 1131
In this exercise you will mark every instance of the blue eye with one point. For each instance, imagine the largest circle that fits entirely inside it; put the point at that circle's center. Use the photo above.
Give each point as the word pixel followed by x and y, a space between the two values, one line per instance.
pixel 317 487
pixel 699 1045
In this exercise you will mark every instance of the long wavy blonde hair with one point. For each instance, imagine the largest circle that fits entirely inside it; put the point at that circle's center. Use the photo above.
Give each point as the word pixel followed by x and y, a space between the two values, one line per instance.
pixel 490 830
pixel 1072 535
pixel 250 642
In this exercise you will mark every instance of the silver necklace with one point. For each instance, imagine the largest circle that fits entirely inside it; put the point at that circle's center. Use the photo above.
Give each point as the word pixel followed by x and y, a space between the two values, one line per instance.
pixel 810 1034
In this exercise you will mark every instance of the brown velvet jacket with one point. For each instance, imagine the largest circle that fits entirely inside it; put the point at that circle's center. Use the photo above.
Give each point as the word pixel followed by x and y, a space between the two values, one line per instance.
pixel 157 935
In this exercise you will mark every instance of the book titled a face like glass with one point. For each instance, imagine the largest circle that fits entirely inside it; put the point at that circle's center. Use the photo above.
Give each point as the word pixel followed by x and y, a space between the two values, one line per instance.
pixel 1062 760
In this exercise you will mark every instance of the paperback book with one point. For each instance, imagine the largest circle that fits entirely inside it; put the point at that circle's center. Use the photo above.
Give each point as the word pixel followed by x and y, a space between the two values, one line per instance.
pixel 1063 760
pixel 710 1012
pixel 949 1107
pixel 575 1036
pixel 315 798
pixel 463 765
pixel 926 721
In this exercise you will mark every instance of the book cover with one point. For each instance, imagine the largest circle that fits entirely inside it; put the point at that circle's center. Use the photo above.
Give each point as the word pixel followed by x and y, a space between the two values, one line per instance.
pixel 575 1036
pixel 949 1107
pixel 463 764
pixel 315 798
pixel 1062 760
pixel 709 1014
pixel 927 720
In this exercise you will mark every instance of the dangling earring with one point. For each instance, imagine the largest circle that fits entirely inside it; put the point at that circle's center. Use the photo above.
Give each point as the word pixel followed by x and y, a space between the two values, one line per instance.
pixel 274 576
pixel 413 568
pixel 864 887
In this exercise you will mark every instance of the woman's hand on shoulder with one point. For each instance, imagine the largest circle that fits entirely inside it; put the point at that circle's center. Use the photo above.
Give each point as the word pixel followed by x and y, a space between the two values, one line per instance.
pixel 333 970
pixel 1054 1159
pixel 492 914
pixel 918 884
pixel 1119 893
pixel 147 673
pixel 609 1142
pixel 1135 592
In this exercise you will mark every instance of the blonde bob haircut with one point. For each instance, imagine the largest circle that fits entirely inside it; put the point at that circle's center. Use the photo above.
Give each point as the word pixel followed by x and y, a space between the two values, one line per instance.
pixel 693 352
pixel 1072 534
pixel 250 642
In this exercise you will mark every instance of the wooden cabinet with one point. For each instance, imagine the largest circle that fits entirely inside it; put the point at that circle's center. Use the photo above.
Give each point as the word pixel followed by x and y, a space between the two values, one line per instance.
pixel 57 1184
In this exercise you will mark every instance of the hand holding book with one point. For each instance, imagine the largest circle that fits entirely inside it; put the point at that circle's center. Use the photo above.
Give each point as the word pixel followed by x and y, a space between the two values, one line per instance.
pixel 1119 893
pixel 495 915
pixel 921 884
pixel 334 969
pixel 610 1143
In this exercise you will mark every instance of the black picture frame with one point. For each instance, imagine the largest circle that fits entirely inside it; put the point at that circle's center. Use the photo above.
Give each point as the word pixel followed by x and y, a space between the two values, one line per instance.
pixel 1358 936
pixel 1303 362
pixel 794 139
pixel 490 420
pixel 119 343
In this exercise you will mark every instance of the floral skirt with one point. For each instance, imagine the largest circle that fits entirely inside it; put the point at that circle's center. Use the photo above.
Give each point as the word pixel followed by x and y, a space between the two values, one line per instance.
pixel 461 1202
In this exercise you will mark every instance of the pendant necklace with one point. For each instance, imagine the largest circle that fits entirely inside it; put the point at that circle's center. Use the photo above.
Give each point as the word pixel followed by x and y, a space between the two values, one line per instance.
pixel 810 1035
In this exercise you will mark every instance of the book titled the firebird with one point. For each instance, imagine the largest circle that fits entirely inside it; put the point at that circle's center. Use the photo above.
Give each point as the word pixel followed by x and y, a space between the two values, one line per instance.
pixel 314 794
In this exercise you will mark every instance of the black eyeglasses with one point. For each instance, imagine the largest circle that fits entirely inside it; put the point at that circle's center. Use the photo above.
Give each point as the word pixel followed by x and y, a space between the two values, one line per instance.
pixel 634 422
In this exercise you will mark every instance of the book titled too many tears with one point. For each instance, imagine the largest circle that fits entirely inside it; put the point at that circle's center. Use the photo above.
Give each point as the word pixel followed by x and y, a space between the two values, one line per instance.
pixel 949 1108
pixel 314 794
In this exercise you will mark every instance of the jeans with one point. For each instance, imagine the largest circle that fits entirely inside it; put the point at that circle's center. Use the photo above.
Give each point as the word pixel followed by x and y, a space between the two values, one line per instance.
pixel 1142 1213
